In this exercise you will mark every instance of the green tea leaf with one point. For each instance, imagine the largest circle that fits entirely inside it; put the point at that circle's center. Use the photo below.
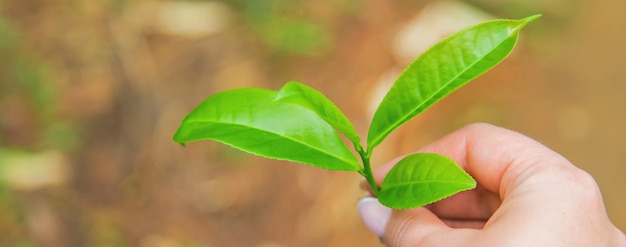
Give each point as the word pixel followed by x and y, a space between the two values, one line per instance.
pixel 298 93
pixel 442 69
pixel 251 120
pixel 421 179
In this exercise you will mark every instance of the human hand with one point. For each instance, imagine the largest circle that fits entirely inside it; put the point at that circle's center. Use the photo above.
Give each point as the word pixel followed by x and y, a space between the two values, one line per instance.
pixel 527 195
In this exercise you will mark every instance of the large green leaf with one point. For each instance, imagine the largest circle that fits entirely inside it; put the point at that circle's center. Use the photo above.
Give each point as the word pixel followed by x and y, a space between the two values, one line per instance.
pixel 312 99
pixel 421 179
pixel 250 119
pixel 442 69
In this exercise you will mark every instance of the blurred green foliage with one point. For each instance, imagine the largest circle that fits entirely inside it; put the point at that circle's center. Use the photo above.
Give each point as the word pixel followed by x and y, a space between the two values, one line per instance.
pixel 283 26
pixel 9 207
pixel 294 36
pixel 26 77
pixel 24 74
pixel 557 12
pixel 12 222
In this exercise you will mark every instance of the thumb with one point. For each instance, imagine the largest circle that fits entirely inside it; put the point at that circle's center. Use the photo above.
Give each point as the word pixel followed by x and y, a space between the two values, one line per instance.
pixel 420 227
pixel 375 216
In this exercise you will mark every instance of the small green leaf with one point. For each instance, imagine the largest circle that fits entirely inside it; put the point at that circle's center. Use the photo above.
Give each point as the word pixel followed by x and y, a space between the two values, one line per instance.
pixel 251 120
pixel 298 93
pixel 442 69
pixel 421 179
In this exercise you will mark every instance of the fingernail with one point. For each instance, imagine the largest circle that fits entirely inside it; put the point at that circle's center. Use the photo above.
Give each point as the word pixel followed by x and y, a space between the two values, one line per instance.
pixel 374 215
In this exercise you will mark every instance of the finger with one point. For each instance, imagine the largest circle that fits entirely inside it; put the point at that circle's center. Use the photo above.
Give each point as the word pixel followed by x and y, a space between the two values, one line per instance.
pixel 374 215
pixel 464 146
pixel 486 152
pixel 465 208
pixel 420 227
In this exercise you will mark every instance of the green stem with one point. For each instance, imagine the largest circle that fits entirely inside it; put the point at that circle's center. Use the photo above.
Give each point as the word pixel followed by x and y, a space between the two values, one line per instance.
pixel 367 172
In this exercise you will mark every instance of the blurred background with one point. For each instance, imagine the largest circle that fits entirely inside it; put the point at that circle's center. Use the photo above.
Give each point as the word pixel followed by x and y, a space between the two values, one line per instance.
pixel 91 93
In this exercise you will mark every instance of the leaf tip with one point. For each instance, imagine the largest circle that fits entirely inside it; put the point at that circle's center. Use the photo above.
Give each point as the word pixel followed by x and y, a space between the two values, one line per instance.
pixel 181 143
pixel 177 140
pixel 531 18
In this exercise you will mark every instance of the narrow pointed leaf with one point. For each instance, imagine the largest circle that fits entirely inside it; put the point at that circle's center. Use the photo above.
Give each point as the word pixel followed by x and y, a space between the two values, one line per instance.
pixel 442 69
pixel 251 120
pixel 421 179
pixel 298 93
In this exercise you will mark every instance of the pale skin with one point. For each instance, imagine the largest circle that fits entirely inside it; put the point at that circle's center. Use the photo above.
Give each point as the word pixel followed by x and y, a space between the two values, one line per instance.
pixel 527 195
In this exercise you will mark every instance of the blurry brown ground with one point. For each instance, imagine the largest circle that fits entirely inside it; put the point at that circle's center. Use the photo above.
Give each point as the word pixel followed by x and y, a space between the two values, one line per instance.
pixel 92 91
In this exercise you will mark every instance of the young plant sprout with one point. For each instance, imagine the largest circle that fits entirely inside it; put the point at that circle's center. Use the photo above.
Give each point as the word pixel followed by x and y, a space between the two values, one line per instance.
pixel 299 124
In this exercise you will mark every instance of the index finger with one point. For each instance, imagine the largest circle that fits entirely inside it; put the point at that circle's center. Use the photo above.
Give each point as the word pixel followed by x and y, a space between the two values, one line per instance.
pixel 496 157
